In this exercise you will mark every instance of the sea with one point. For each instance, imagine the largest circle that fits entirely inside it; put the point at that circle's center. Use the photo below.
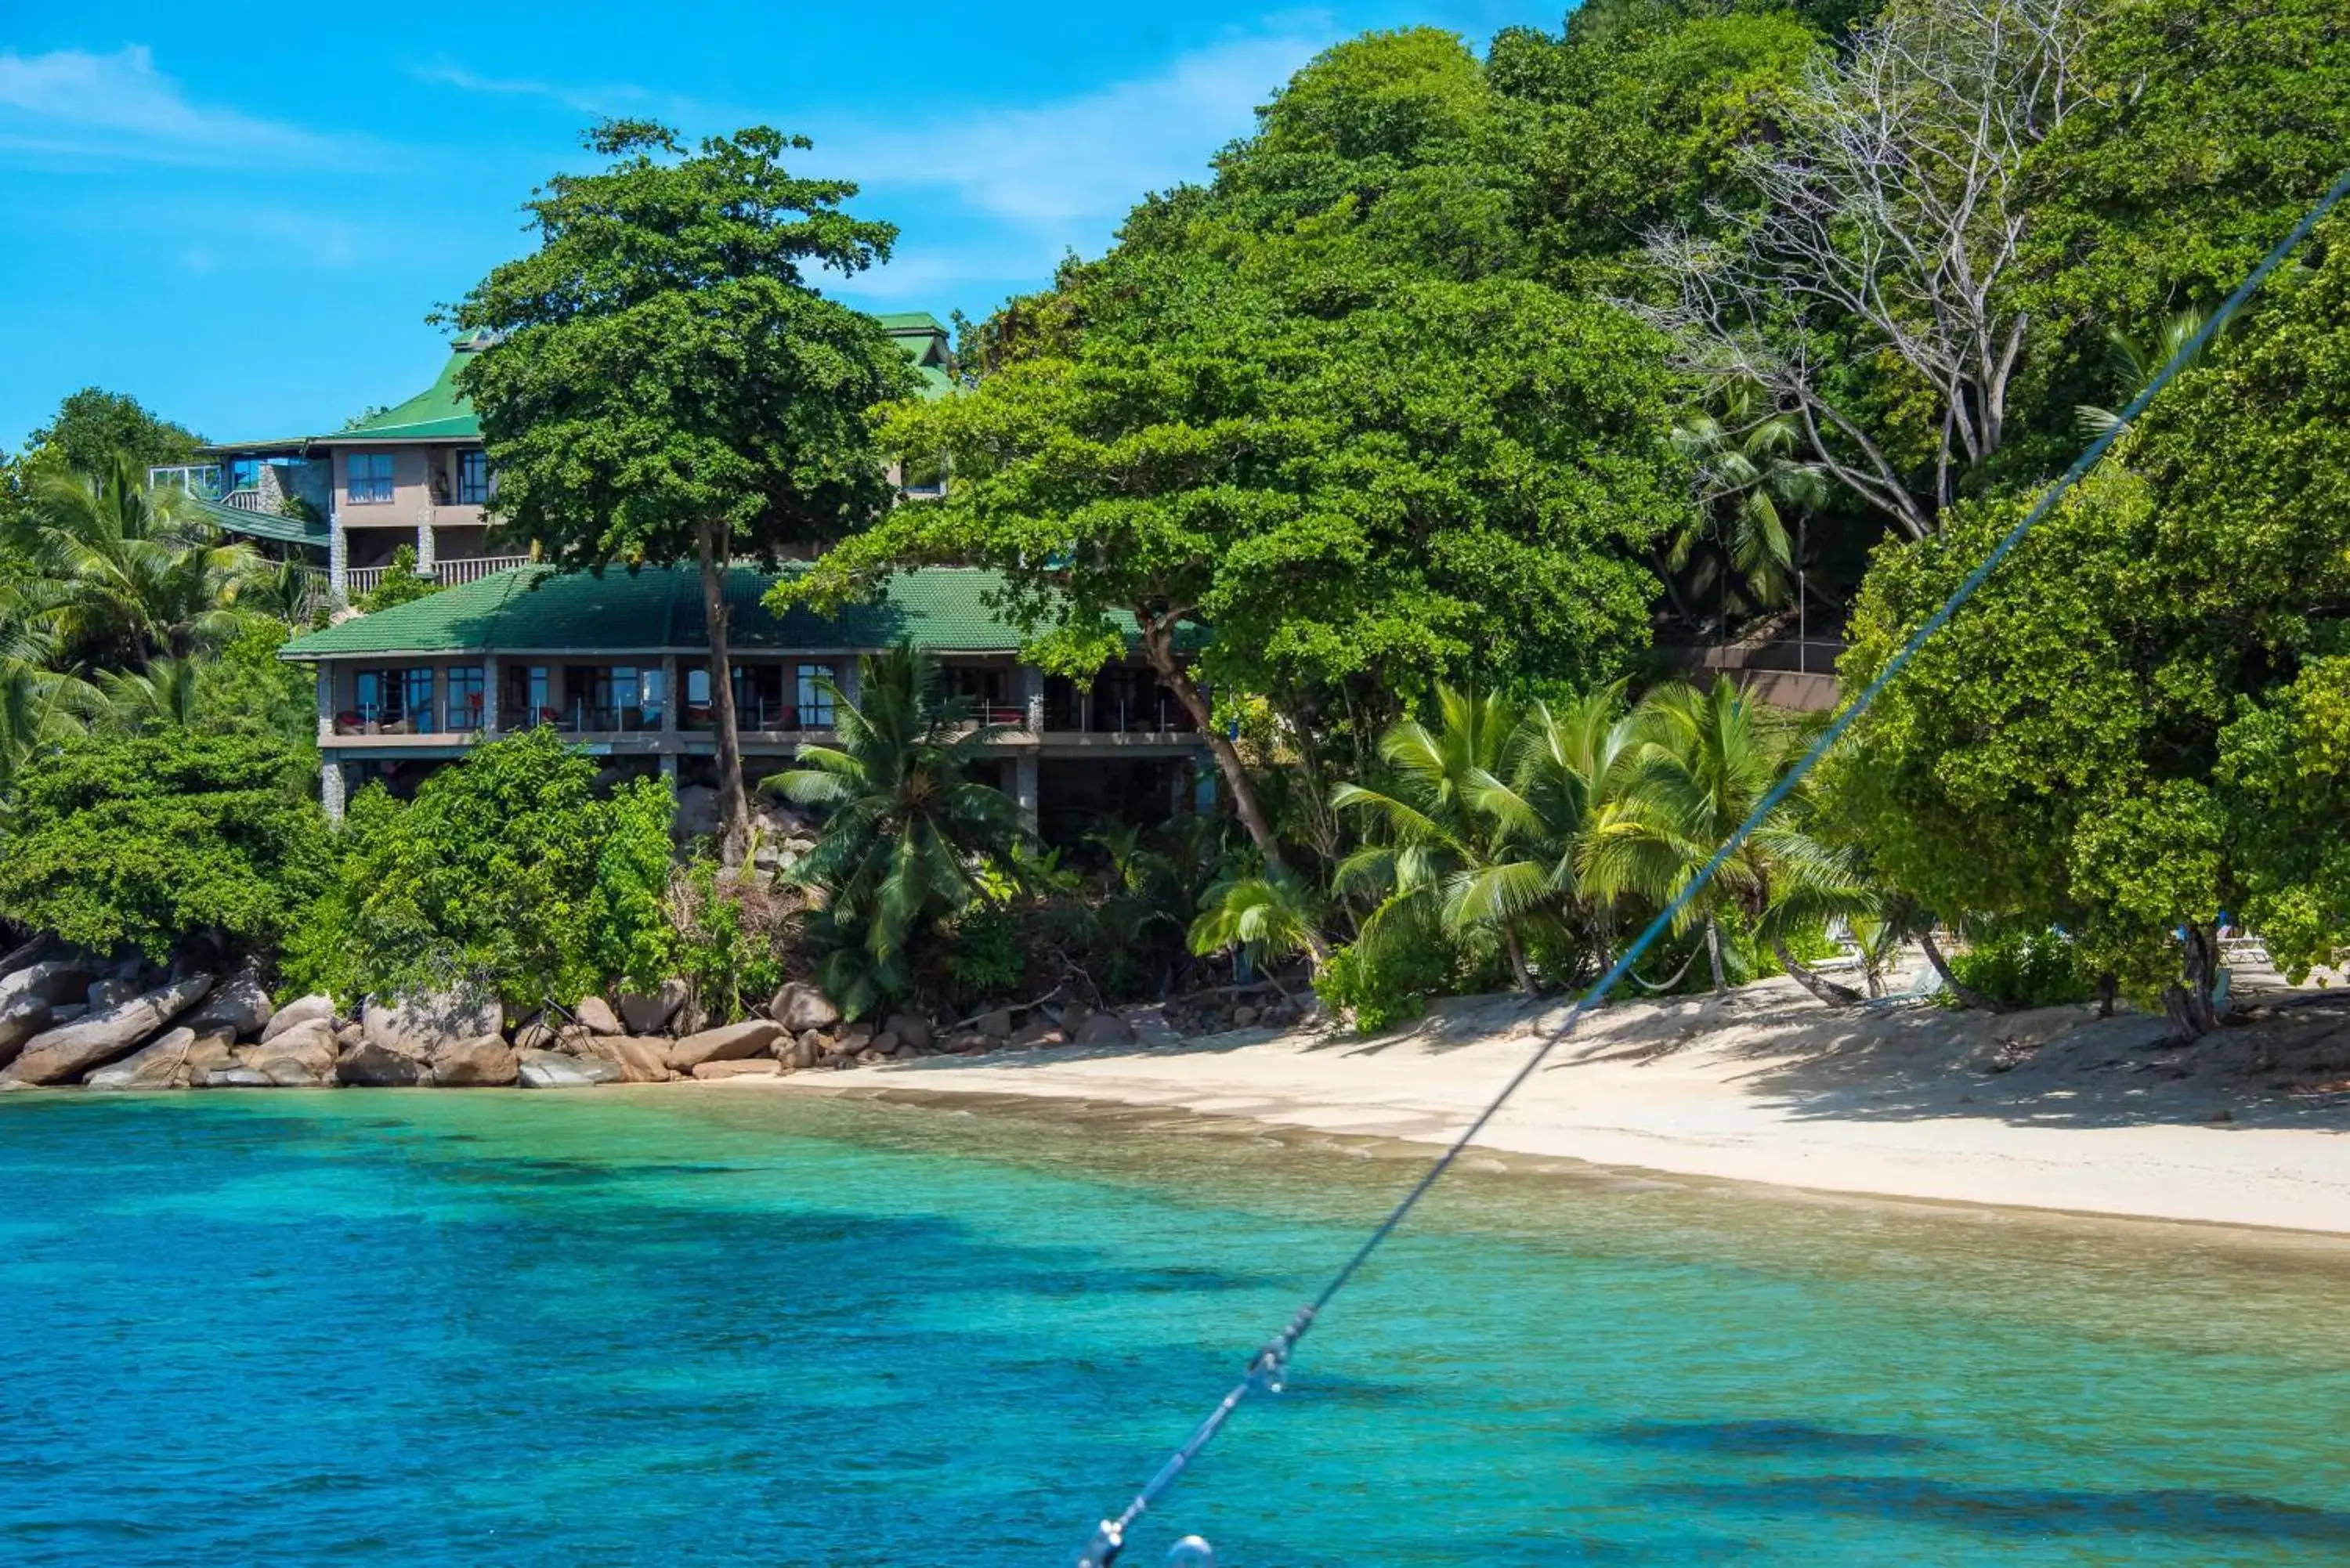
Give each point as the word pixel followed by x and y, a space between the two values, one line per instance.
pixel 403 1329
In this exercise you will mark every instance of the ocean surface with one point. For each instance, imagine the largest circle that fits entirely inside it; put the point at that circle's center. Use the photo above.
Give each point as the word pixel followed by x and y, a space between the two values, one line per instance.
pixel 660 1328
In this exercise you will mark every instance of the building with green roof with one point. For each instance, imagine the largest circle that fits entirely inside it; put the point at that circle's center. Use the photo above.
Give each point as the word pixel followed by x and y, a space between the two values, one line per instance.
pixel 414 475
pixel 618 663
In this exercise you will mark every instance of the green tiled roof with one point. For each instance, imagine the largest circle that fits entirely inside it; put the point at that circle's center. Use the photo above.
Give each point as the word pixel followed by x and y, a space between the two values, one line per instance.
pixel 260 524
pixel 537 609
pixel 437 413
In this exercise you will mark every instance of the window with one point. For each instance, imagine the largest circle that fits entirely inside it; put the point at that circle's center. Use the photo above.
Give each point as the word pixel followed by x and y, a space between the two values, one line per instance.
pixel 814 699
pixel 528 699
pixel 367 477
pixel 473 478
pixel 394 702
pixel 467 687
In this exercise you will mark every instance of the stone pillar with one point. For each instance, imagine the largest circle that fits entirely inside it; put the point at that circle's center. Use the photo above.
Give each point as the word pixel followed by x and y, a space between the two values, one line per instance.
pixel 1032 698
pixel 669 767
pixel 492 686
pixel 1025 788
pixel 851 692
pixel 670 695
pixel 331 789
pixel 439 700
pixel 1179 793
pixel 424 540
pixel 338 559
pixel 326 688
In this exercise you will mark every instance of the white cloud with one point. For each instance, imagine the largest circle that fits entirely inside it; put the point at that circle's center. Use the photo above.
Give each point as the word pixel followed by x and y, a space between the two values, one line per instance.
pixel 1058 167
pixel 602 99
pixel 73 104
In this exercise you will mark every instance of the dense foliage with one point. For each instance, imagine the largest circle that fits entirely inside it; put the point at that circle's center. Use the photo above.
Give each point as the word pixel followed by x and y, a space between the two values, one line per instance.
pixel 508 873
pixel 177 840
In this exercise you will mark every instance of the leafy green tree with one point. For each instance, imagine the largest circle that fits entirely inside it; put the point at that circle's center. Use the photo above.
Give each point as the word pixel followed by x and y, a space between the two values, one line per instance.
pixel 1749 466
pixel 1266 915
pixel 95 429
pixel 669 385
pixel 208 845
pixel 2123 735
pixel 907 831
pixel 504 875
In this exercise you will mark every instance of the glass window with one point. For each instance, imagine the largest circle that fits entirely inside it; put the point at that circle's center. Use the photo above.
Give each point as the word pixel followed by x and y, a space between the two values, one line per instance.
pixel 416 699
pixel 524 705
pixel 389 697
pixel 697 686
pixel 473 478
pixel 925 475
pixel 367 477
pixel 467 687
pixel 651 696
pixel 816 697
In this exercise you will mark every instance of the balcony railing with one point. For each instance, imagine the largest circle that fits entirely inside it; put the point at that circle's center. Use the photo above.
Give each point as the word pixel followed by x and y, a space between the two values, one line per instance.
pixel 196 478
pixel 358 580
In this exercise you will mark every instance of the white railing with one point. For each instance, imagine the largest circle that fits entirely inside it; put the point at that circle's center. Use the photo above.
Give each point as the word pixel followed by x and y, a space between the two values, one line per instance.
pixel 246 500
pixel 196 478
pixel 360 581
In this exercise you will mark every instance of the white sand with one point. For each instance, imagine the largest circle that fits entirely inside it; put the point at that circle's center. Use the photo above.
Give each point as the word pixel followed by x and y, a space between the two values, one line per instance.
pixel 1768 1086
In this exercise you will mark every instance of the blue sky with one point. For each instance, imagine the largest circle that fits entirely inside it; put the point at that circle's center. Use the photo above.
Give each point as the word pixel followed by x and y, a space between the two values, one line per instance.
pixel 242 214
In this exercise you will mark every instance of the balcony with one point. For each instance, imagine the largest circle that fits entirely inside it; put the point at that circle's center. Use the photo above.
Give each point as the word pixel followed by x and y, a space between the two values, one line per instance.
pixel 359 580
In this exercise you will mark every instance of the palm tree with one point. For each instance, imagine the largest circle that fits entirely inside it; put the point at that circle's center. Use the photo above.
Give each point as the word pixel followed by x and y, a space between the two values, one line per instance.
pixel 1746 472
pixel 160 696
pixel 907 830
pixel 125 576
pixel 1443 860
pixel 2134 364
pixel 1699 763
pixel 284 590
pixel 1265 915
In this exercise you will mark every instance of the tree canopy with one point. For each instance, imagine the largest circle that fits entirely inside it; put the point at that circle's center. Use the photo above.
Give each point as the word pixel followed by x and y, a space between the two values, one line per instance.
pixel 667 383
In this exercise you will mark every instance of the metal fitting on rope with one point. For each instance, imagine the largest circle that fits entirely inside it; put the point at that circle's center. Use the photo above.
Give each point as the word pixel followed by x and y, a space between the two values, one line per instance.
pixel 1103 1550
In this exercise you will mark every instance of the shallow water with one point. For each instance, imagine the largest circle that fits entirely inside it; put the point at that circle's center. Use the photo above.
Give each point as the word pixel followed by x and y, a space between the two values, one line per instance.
pixel 714 1328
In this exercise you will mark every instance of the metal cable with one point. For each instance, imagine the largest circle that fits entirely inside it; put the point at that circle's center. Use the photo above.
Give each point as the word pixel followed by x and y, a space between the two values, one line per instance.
pixel 1270 1365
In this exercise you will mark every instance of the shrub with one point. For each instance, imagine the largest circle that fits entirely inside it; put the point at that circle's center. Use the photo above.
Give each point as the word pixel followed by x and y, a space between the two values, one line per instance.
pixel 165 841
pixel 1389 989
pixel 505 874
pixel 721 951
pixel 2017 967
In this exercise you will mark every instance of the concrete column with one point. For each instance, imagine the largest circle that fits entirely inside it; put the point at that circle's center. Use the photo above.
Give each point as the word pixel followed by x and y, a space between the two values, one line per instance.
pixel 1032 697
pixel 492 686
pixel 338 558
pixel 1025 788
pixel 669 767
pixel 439 700
pixel 851 689
pixel 1178 792
pixel 331 789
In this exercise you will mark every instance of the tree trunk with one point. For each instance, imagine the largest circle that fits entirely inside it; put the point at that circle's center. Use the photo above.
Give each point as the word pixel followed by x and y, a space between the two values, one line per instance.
pixel 1713 955
pixel 733 804
pixel 1967 996
pixel 1525 977
pixel 1157 647
pixel 2191 1005
pixel 1828 991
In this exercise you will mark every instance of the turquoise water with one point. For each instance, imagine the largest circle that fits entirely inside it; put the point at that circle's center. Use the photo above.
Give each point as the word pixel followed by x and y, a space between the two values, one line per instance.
pixel 656 1328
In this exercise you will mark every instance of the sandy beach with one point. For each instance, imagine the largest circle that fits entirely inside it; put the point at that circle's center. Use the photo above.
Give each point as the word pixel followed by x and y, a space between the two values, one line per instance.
pixel 2053 1109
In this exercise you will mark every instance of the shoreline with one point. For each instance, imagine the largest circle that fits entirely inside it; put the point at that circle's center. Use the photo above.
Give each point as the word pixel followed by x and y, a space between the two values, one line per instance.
pixel 2052 1111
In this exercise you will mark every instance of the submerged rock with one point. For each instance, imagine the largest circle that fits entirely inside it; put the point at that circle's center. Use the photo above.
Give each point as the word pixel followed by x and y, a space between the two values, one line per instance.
pixel 236 1078
pixel 61 1056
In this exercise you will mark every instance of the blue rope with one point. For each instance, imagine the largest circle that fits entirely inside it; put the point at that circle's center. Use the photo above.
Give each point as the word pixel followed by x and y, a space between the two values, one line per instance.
pixel 1271 1364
